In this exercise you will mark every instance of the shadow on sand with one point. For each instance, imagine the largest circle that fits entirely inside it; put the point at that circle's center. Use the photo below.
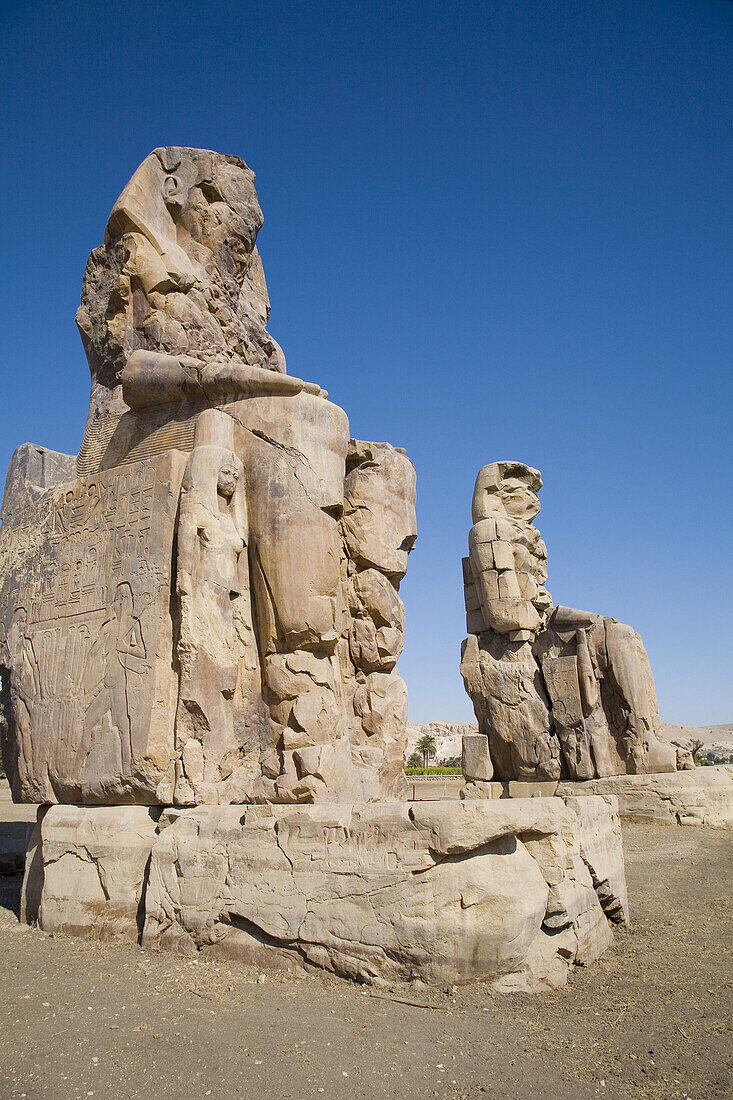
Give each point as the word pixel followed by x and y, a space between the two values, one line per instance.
pixel 13 839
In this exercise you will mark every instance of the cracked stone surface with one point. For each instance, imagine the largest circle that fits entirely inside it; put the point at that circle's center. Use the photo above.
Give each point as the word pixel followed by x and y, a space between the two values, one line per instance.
pixel 558 693
pixel 86 870
pixel 700 797
pixel 514 892
pixel 499 891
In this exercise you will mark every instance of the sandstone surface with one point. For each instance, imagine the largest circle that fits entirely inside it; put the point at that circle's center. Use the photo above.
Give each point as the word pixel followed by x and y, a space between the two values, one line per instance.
pixel 700 797
pixel 512 892
pixel 86 869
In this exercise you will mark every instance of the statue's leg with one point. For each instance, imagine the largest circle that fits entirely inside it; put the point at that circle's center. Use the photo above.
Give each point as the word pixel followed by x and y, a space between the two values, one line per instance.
pixel 206 696
pixel 629 678
pixel 293 450
pixel 95 712
pixel 379 530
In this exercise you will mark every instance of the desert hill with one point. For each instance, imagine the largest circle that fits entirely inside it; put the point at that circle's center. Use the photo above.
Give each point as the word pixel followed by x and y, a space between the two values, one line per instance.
pixel 717 741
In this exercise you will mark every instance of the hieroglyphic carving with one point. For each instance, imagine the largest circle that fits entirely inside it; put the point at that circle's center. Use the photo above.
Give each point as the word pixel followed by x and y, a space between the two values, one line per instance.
pixel 87 606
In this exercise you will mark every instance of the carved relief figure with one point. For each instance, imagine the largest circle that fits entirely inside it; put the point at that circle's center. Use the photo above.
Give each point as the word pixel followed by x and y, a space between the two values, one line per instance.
pixel 116 658
pixel 556 691
pixel 212 584
pixel 25 685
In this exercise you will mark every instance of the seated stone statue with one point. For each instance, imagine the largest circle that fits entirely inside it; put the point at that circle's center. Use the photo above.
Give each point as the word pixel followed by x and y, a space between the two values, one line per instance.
pixel 557 692
pixel 262 548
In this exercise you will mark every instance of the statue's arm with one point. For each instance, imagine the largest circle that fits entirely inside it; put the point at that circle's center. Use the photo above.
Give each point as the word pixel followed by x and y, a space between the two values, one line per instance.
pixel 156 378
pixel 221 378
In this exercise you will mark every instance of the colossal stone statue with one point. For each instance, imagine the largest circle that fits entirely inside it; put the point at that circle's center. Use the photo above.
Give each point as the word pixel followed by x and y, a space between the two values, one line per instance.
pixel 557 692
pixel 208 611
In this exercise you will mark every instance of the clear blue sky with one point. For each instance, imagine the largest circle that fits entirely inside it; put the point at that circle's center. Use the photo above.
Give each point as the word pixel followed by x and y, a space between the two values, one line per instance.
pixel 492 230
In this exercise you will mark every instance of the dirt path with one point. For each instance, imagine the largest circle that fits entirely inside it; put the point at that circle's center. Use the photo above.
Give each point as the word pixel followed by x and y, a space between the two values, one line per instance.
pixel 651 1019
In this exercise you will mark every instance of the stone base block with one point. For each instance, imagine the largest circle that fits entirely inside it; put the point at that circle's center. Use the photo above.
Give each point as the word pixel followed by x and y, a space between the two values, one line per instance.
pixel 512 891
pixel 602 852
pixel 86 869
pixel 476 757
pixel 703 796
pixel 531 788
pixel 476 788
pixel 493 890
pixel 515 788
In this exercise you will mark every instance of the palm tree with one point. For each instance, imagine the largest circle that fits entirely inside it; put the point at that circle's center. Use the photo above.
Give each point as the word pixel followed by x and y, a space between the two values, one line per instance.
pixel 426 747
pixel 414 761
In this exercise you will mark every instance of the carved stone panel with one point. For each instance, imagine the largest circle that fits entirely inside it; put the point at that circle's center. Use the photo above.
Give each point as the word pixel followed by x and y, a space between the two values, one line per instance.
pixel 561 677
pixel 87 637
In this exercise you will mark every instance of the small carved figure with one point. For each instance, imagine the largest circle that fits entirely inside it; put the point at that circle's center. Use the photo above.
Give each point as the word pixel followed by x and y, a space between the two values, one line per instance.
pixel 212 581
pixel 25 685
pixel 117 653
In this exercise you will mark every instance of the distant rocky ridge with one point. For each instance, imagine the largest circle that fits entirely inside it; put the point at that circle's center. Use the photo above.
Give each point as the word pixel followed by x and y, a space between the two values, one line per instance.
pixel 717 740
pixel 448 736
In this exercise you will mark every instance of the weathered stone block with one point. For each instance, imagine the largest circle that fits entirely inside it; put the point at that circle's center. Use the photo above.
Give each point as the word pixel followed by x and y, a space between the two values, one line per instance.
pixel 439 891
pixel 86 870
pixel 476 758
pixel 476 789
pixel 519 788
pixel 601 848
pixel 703 796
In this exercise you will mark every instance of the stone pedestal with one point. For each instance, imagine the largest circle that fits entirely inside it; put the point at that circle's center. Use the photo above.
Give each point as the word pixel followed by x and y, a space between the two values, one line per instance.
pixel 512 892
pixel 86 870
pixel 520 788
pixel 703 796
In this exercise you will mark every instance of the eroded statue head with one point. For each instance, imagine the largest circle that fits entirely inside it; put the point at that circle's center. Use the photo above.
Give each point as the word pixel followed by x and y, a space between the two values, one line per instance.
pixel 506 489
pixel 179 270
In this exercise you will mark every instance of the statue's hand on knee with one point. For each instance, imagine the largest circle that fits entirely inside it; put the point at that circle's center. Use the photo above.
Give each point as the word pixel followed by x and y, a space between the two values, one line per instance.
pixel 152 378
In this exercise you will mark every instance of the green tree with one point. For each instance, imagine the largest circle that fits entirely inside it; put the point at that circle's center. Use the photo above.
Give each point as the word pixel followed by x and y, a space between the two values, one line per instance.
pixel 414 760
pixel 427 748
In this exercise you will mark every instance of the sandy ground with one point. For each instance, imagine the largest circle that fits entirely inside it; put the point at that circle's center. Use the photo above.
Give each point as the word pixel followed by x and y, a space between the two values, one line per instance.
pixel 651 1019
